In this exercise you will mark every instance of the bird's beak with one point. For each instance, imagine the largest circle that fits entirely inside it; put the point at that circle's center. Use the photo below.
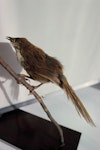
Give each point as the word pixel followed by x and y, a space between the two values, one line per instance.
pixel 9 38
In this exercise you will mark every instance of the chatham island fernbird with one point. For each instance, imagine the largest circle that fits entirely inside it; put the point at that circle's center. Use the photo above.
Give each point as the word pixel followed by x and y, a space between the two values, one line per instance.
pixel 44 68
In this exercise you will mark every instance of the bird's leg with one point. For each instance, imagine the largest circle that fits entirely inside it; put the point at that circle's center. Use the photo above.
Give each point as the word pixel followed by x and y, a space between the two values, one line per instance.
pixel 35 87
pixel 25 77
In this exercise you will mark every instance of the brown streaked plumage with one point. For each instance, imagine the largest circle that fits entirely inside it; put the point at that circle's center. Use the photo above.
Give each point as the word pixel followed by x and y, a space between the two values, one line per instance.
pixel 44 68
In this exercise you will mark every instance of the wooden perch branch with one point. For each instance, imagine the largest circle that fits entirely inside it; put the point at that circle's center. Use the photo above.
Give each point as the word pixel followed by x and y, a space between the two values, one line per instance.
pixel 30 88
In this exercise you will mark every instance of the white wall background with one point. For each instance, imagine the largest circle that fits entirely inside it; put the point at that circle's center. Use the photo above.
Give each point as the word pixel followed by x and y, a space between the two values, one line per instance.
pixel 66 29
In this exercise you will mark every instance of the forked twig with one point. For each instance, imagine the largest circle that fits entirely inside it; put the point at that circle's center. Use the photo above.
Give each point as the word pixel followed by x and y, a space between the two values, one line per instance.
pixel 30 88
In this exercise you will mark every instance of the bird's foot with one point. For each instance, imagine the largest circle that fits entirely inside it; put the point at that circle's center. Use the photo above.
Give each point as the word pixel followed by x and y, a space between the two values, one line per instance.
pixel 22 76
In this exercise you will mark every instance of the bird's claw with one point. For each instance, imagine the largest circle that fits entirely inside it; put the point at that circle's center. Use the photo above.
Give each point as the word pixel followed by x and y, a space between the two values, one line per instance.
pixel 22 76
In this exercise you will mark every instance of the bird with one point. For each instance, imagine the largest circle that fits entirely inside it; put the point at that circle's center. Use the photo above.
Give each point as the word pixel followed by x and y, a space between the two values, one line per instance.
pixel 44 68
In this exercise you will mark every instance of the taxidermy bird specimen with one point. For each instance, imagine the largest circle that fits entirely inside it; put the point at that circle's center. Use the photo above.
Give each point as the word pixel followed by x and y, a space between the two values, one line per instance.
pixel 44 68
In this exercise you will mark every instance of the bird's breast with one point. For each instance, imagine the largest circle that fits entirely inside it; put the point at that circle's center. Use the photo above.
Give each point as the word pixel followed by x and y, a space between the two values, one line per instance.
pixel 19 57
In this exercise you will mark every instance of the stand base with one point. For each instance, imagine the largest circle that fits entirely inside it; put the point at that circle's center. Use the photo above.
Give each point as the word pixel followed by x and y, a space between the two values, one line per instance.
pixel 30 132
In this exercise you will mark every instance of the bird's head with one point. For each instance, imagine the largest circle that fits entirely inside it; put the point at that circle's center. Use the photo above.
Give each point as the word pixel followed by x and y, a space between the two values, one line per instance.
pixel 17 43
pixel 14 41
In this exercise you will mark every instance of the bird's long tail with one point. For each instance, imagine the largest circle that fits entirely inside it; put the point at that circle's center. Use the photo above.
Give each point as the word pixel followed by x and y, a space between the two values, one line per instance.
pixel 76 101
